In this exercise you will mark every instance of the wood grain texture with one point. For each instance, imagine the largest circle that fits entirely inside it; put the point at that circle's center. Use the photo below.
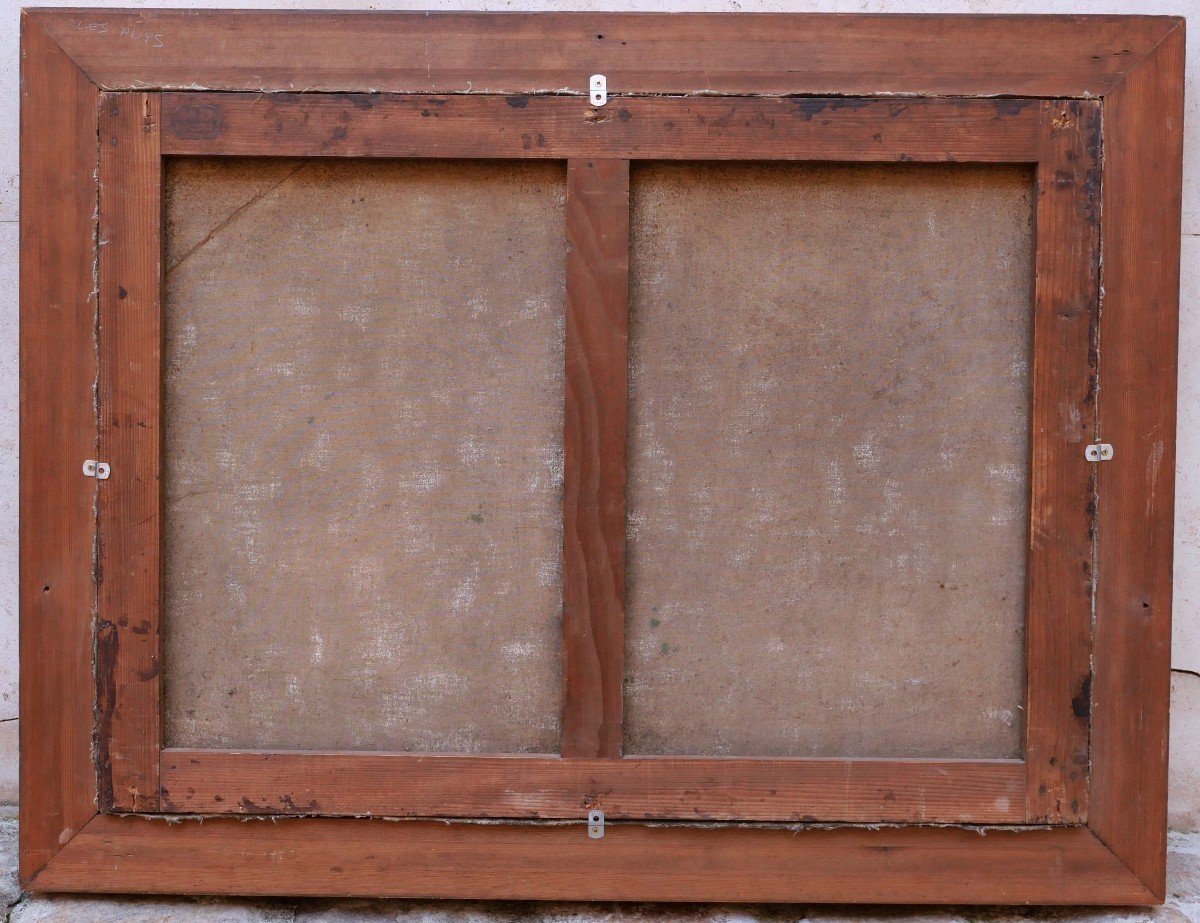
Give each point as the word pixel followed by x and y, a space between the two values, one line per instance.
pixel 1143 130
pixel 395 785
pixel 1062 506
pixel 707 128
pixel 594 457
pixel 129 504
pixel 1135 62
pixel 640 52
pixel 57 433
pixel 326 856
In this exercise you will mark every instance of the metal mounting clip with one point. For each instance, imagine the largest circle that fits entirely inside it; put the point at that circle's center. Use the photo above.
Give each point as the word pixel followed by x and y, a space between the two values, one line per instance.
pixel 1099 451
pixel 599 90
pixel 596 825
pixel 96 469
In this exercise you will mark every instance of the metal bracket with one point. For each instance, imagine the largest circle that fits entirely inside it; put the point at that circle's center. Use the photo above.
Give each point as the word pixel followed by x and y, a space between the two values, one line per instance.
pixel 96 469
pixel 596 825
pixel 599 90
pixel 1099 451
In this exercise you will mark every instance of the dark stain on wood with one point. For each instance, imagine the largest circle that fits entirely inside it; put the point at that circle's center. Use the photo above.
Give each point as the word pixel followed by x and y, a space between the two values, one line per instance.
pixel 251 807
pixel 191 122
pixel 1006 107
pixel 108 642
pixel 1081 704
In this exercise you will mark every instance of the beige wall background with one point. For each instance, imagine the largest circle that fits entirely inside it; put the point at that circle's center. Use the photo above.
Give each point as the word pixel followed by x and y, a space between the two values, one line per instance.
pixel 1185 721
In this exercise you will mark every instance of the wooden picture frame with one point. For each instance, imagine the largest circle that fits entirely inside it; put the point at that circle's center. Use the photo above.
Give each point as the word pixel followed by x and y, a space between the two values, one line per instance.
pixel 1094 101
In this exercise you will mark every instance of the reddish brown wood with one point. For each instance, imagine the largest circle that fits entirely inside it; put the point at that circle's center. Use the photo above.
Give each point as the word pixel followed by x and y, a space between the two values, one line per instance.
pixel 1059 622
pixel 326 856
pixel 400 785
pixel 1143 130
pixel 58 433
pixel 287 50
pixel 1134 62
pixel 594 457
pixel 130 407
pixel 708 128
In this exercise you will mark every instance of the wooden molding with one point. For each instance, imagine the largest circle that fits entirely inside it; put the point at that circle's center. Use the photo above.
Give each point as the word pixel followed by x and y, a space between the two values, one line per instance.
pixel 1130 68
pixel 58 433
pixel 1143 160
pixel 640 53
pixel 328 856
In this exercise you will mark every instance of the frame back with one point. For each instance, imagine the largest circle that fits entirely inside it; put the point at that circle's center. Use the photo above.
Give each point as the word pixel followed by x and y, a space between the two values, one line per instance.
pixel 1069 556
